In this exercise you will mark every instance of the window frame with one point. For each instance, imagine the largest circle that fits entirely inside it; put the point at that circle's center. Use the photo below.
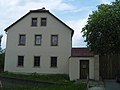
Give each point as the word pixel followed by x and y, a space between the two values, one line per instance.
pixel 35 38
pixel 35 60
pixel 20 63
pixel 22 41
pixel 54 43
pixel 33 23
pixel 53 62
pixel 43 21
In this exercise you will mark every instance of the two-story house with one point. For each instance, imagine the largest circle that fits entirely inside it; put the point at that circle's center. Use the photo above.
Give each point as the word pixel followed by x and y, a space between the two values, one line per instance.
pixel 40 42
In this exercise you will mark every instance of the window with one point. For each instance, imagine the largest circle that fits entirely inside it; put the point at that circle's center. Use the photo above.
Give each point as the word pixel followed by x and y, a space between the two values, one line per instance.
pixel 38 39
pixel 53 61
pixel 20 60
pixel 54 40
pixel 22 39
pixel 43 21
pixel 36 61
pixel 34 22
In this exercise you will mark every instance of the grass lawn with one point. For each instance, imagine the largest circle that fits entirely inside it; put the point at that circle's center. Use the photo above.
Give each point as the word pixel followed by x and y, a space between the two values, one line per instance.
pixel 66 87
pixel 59 78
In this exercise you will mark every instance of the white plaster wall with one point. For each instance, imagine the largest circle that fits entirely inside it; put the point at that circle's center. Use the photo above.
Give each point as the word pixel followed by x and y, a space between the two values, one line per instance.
pixel 74 67
pixel 45 51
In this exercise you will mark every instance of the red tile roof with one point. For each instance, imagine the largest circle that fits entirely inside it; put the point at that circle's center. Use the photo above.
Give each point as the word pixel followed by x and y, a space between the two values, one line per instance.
pixel 81 52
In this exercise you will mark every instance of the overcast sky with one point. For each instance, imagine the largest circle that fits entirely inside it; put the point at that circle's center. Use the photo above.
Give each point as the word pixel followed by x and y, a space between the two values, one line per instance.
pixel 72 12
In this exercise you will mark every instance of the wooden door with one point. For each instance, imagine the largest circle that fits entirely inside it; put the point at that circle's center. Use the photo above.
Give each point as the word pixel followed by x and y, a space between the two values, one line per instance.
pixel 84 69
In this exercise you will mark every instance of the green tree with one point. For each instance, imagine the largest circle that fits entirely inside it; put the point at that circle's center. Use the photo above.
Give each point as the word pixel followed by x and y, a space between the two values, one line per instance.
pixel 102 31
pixel 2 58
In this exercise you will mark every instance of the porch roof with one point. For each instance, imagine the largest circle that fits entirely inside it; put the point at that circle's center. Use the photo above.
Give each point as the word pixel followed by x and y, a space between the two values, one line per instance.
pixel 81 52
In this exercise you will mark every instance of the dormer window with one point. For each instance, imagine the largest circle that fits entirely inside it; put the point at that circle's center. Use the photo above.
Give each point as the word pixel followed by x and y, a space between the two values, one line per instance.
pixel 34 22
pixel 43 21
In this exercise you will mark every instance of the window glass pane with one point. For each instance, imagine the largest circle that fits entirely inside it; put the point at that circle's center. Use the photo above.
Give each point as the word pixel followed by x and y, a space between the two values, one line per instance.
pixel 36 61
pixel 38 39
pixel 20 60
pixel 34 21
pixel 22 40
pixel 43 21
pixel 53 61
pixel 54 40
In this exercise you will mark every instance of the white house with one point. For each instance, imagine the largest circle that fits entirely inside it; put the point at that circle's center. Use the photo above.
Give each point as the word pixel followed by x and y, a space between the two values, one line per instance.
pixel 40 42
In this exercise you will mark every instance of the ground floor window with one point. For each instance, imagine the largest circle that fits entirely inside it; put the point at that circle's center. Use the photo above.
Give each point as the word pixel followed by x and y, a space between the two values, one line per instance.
pixel 20 61
pixel 54 62
pixel 36 61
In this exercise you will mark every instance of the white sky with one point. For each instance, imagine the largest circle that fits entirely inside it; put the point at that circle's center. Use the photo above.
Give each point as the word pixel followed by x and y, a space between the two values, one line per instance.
pixel 72 12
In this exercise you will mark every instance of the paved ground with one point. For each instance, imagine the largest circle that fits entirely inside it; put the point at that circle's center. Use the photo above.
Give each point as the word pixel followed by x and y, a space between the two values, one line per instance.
pixel 97 88
pixel 112 85
pixel 96 85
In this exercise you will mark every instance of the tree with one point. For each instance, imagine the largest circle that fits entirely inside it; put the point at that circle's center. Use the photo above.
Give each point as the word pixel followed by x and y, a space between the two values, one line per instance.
pixel 102 33
pixel 102 30
pixel 2 58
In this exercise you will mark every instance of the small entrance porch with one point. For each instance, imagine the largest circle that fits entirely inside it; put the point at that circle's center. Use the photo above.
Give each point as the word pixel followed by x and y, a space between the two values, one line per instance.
pixel 83 64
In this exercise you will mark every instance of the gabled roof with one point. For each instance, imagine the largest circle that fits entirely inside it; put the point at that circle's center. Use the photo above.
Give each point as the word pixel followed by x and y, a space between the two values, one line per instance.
pixel 81 52
pixel 43 10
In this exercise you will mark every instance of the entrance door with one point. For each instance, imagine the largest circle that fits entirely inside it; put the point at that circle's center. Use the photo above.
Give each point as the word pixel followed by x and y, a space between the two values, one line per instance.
pixel 84 69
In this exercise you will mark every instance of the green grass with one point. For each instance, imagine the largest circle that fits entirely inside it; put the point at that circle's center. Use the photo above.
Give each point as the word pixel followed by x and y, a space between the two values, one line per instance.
pixel 61 78
pixel 65 87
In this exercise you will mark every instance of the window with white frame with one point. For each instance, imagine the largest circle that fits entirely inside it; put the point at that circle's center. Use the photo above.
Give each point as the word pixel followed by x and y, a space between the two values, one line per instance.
pixel 38 39
pixel 20 61
pixel 36 61
pixel 22 39
pixel 54 62
pixel 34 22
pixel 54 40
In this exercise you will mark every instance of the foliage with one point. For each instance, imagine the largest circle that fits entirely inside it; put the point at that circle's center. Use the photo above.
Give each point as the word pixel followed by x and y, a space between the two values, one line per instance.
pixel 2 57
pixel 102 30
pixel 61 78
pixel 81 86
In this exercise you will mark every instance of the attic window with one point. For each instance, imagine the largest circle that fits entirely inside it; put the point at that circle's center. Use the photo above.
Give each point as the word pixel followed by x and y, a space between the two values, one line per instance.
pixel 34 22
pixel 43 21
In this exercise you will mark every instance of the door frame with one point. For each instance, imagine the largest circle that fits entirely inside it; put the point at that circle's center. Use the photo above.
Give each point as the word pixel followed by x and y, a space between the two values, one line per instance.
pixel 87 60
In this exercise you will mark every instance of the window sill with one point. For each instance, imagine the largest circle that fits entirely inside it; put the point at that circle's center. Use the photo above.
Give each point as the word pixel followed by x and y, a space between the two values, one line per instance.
pixel 20 66
pixel 54 45
pixel 36 66
pixel 37 45
pixel 54 67
pixel 21 44
pixel 33 26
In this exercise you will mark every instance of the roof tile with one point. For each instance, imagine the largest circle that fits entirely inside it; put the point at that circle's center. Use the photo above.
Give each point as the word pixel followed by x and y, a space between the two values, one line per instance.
pixel 81 52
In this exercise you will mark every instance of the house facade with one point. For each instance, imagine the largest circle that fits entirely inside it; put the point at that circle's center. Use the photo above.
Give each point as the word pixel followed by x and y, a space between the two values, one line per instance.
pixel 40 42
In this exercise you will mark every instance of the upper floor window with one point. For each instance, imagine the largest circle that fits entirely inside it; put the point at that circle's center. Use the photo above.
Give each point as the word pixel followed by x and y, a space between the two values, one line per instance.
pixel 34 22
pixel 43 21
pixel 38 39
pixel 54 62
pixel 36 61
pixel 54 40
pixel 20 61
pixel 22 39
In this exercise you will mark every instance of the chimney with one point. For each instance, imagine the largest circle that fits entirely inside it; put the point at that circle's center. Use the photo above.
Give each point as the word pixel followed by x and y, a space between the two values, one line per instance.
pixel 43 8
